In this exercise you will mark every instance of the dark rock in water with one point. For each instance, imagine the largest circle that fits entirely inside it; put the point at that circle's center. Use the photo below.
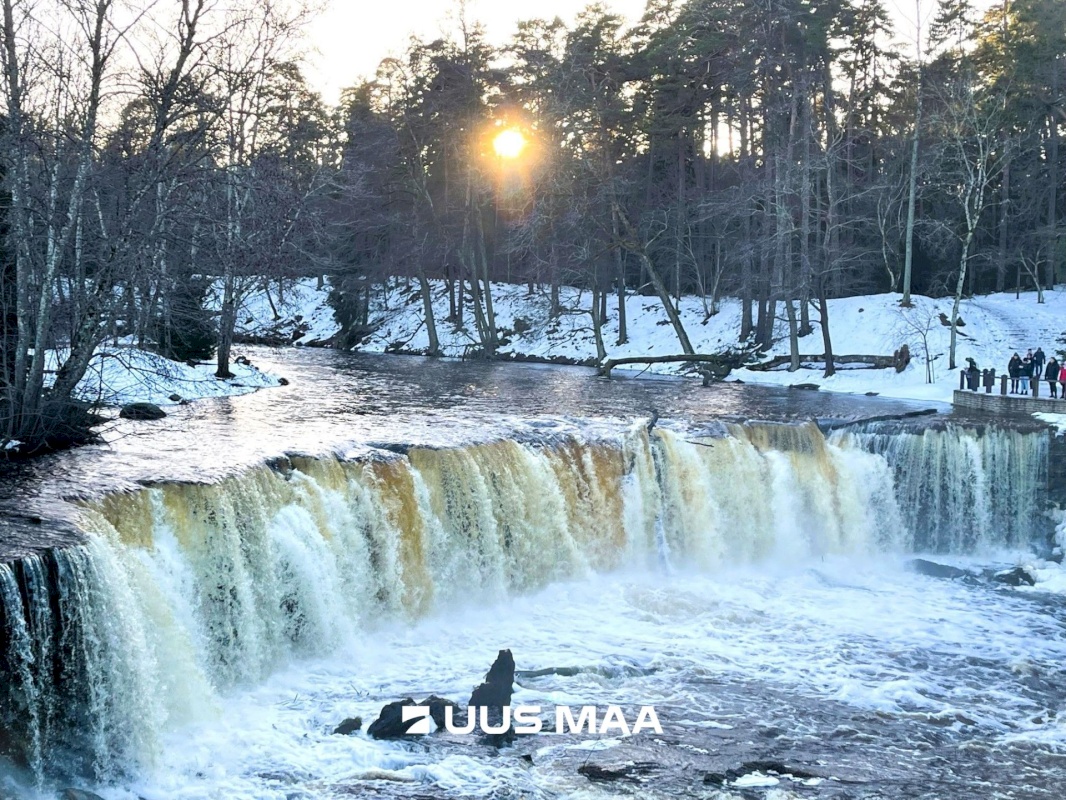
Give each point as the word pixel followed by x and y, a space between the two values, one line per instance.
pixel 934 570
pixel 283 381
pixel 809 387
pixel 626 772
pixel 390 723
pixel 1015 577
pixel 142 411
pixel 563 672
pixel 437 705
pixel 175 398
pixel 494 694
pixel 494 718
pixel 498 687
pixel 771 768
pixel 349 726
pixel 78 794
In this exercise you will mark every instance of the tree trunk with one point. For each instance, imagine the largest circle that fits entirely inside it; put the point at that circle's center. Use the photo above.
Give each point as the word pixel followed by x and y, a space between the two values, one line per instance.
pixel 963 262
pixel 664 296
pixel 912 193
pixel 427 308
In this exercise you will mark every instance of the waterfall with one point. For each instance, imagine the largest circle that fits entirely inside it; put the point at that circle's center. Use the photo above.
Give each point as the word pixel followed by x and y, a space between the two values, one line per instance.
pixel 961 490
pixel 182 592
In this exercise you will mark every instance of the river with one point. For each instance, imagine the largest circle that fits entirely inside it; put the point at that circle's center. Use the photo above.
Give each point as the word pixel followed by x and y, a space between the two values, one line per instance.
pixel 190 609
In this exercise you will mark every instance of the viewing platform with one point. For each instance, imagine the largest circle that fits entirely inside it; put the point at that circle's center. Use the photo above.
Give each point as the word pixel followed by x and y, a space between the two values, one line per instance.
pixel 986 391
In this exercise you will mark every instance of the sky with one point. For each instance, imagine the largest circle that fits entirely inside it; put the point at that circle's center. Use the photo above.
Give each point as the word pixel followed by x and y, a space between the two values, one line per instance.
pixel 353 36
pixel 350 37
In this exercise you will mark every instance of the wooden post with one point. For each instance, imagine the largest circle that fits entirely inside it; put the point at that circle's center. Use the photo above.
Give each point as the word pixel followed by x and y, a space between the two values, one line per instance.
pixel 1003 383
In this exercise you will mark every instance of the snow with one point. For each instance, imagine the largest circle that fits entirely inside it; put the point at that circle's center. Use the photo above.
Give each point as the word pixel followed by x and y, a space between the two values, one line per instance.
pixel 120 375
pixel 995 326
pixel 299 315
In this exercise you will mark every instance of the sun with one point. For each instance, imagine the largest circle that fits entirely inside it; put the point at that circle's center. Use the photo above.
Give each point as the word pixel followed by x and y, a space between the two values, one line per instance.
pixel 509 143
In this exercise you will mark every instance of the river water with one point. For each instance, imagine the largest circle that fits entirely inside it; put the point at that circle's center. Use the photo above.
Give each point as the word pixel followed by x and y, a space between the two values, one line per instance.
pixel 740 568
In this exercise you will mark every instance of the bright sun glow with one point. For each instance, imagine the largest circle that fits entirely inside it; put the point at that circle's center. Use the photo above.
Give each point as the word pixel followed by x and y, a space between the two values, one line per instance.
pixel 509 143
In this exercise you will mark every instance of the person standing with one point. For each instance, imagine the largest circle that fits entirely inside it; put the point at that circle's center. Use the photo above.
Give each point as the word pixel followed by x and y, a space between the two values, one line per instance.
pixel 1051 375
pixel 1014 369
pixel 1039 360
pixel 1062 379
pixel 1026 372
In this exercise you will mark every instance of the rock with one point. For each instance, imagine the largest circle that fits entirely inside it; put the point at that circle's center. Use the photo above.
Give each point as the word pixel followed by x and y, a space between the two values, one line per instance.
pixel 902 358
pixel 175 398
pixel 627 772
pixel 521 325
pixel 809 387
pixel 934 570
pixel 283 381
pixel 349 726
pixel 390 724
pixel 78 794
pixel 243 361
pixel 498 687
pixel 142 411
pixel 437 705
pixel 563 672
pixel 1015 577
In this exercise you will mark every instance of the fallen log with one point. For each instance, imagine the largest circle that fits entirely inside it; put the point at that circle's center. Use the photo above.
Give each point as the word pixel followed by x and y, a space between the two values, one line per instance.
pixel 695 358
pixel 874 362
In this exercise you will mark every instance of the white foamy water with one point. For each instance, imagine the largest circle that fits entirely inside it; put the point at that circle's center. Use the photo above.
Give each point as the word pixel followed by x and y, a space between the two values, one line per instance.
pixel 868 635
pixel 209 637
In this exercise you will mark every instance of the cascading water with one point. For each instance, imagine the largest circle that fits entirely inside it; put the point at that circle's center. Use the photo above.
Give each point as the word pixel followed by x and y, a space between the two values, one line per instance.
pixel 184 591
pixel 960 490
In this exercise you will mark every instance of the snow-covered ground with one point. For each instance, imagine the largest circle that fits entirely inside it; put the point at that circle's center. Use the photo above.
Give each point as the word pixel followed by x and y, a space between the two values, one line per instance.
pixel 995 327
pixel 299 314
pixel 119 375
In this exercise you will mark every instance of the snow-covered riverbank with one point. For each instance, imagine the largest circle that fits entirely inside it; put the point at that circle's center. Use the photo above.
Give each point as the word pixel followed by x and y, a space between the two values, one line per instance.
pixel 995 327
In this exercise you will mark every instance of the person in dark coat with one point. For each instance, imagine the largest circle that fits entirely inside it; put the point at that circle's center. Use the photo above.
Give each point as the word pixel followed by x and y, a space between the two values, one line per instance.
pixel 1039 360
pixel 1051 375
pixel 1027 372
pixel 1014 369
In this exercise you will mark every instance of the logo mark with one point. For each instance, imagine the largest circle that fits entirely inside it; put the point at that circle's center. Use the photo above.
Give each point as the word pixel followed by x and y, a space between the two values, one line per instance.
pixel 420 715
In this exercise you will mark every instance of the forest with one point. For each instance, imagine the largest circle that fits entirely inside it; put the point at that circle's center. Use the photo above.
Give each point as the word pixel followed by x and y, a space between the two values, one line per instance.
pixel 162 160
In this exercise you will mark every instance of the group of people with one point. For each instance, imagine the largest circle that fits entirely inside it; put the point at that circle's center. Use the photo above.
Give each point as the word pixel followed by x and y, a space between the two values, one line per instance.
pixel 1032 368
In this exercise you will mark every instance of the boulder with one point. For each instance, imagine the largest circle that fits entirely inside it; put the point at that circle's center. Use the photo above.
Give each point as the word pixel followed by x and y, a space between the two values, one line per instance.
pixel 142 411
pixel 349 726
pixel 175 398
pixel 1015 577
pixel 78 794
pixel 494 694
pixel 437 705
pixel 390 724
pixel 934 570
pixel 498 687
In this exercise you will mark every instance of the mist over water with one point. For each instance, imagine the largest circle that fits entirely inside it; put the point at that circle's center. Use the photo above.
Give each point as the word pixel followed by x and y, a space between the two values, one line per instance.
pixel 205 639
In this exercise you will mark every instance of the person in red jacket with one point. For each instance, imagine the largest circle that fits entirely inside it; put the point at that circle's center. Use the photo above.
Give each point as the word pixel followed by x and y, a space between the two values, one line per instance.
pixel 1062 379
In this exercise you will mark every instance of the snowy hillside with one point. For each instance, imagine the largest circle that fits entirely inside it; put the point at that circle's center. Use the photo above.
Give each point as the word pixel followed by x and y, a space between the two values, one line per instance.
pixel 995 327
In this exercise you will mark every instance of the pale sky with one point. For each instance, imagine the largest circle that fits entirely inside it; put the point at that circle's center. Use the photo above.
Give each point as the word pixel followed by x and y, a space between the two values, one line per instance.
pixel 352 36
